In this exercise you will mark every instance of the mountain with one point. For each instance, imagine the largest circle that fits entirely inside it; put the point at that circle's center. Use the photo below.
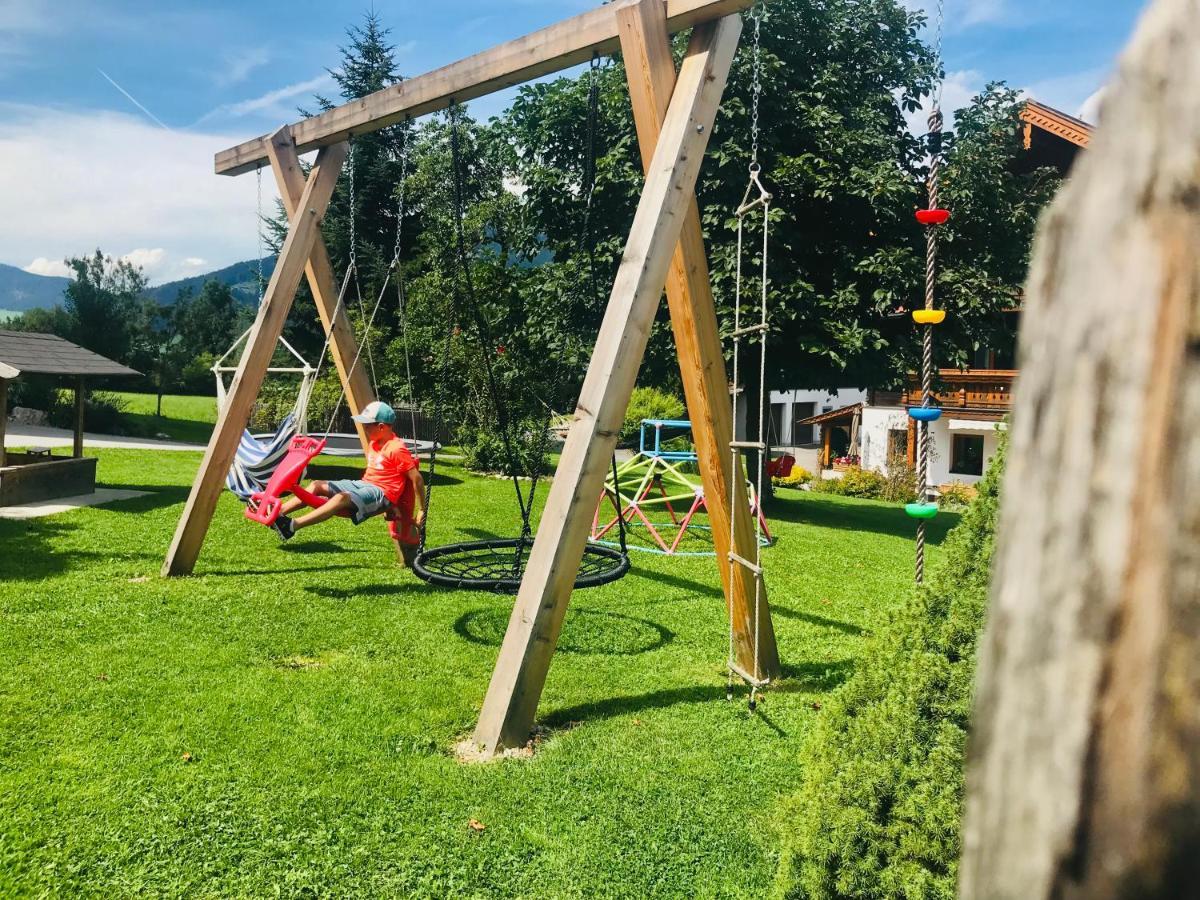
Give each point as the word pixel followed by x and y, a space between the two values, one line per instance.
pixel 241 277
pixel 21 290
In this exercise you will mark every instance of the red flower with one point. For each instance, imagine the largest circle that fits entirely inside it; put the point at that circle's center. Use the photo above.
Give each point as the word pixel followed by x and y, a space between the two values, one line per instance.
pixel 500 350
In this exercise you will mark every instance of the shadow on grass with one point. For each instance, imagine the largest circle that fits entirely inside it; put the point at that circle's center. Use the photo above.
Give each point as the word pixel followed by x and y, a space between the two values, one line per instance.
pixel 814 619
pixel 290 570
pixel 677 581
pixel 586 631
pixel 621 706
pixel 304 548
pixel 385 589
pixel 813 677
pixel 339 471
pixel 158 496
pixel 851 515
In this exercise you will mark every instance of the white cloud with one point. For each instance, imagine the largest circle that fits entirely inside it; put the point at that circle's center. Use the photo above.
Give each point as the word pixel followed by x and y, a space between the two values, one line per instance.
pixel 43 266
pixel 962 15
pixel 236 67
pixel 271 103
pixel 1071 91
pixel 138 190
pixel 194 262
pixel 149 261
pixel 957 92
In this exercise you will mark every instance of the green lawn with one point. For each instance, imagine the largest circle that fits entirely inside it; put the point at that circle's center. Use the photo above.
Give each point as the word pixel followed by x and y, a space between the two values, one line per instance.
pixel 283 722
pixel 185 418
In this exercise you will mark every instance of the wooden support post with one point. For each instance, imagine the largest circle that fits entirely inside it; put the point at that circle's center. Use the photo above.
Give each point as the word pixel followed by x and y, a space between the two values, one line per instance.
pixel 77 448
pixel 650 69
pixel 537 616
pixel 303 229
pixel 288 176
pixel 3 420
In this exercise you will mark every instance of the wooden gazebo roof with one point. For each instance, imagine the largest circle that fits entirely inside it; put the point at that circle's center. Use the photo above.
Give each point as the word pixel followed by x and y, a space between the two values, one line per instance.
pixel 844 413
pixel 29 353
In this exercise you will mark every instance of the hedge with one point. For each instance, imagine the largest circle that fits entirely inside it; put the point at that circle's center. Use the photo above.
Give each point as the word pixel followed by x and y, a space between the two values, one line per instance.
pixel 878 811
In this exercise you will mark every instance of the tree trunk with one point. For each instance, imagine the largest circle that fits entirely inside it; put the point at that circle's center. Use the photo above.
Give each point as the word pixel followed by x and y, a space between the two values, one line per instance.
pixel 158 408
pixel 1084 772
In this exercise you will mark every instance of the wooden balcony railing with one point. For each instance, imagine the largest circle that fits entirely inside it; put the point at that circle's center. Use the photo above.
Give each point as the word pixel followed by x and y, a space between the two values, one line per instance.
pixel 973 391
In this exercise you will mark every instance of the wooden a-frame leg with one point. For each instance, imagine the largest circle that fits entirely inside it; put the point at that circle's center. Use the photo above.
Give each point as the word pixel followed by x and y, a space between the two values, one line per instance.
pixel 285 163
pixel 537 616
pixel 303 229
pixel 650 70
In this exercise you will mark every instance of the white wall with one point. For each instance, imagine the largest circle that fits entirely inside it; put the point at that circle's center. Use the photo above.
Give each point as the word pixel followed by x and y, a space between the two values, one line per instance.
pixel 823 402
pixel 878 420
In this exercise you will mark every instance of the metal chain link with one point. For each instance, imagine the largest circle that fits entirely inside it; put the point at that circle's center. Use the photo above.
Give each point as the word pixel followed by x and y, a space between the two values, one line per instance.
pixel 755 85
pixel 353 217
pixel 261 240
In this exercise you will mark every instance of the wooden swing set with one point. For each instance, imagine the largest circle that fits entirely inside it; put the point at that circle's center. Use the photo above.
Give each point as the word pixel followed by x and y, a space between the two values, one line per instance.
pixel 673 113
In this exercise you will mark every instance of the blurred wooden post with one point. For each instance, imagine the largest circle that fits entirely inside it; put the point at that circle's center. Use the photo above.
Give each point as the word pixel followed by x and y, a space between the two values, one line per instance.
pixel 1084 772
pixel 3 419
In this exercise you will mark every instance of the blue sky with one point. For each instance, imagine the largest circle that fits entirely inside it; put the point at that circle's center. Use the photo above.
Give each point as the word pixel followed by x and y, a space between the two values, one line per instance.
pixel 111 110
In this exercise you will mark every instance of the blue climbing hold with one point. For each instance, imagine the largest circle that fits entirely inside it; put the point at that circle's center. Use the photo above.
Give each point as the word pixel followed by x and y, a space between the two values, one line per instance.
pixel 925 413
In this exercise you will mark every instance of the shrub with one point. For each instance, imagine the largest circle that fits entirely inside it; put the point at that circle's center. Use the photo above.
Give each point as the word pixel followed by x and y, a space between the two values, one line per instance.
pixel 797 477
pixel 900 482
pixel 855 482
pixel 878 811
pixel 956 495
pixel 648 403
pixel 484 449
pixel 101 411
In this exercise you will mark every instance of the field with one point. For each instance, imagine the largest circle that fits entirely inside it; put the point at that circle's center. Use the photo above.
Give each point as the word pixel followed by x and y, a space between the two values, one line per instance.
pixel 185 418
pixel 283 722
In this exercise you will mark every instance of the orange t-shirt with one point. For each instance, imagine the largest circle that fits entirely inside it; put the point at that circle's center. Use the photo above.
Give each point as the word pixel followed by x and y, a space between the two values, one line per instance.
pixel 388 465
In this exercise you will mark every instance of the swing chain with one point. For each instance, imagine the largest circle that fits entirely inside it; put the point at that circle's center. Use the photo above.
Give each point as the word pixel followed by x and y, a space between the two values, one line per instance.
pixel 353 223
pixel 261 284
pixel 755 86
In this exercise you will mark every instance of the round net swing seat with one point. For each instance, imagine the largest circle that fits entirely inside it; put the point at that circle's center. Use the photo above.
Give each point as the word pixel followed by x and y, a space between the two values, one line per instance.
pixel 498 565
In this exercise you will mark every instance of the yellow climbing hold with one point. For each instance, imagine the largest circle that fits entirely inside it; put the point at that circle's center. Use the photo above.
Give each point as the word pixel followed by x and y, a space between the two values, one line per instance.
pixel 929 316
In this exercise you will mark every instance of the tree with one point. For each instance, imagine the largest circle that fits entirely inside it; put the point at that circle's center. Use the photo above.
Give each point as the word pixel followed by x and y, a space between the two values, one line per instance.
pixel 103 303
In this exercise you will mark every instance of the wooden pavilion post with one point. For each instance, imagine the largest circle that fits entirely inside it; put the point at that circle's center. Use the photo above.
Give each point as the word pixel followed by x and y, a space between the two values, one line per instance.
pixel 650 70
pixel 533 629
pixel 285 163
pixel 3 419
pixel 303 229
pixel 77 448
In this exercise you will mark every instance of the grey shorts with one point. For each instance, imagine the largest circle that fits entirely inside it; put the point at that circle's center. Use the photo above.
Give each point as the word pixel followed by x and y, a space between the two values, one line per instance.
pixel 368 499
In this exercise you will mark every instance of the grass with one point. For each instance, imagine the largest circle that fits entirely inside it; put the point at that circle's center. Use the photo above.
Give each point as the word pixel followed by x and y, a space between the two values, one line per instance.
pixel 283 721
pixel 185 418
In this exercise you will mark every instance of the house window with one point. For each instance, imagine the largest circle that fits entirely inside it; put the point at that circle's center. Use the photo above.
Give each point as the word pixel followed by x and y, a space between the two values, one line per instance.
pixel 966 454
pixel 776 436
pixel 802 434
pixel 897 445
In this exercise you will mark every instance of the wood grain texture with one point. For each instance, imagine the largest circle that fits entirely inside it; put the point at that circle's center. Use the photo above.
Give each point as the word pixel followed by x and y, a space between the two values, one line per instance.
pixel 285 163
pixel 650 71
pixel 551 49
pixel 537 616
pixel 303 229
pixel 1084 770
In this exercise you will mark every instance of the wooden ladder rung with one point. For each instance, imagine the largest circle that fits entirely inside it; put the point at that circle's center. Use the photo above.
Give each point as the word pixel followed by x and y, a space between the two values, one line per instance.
pixel 751 329
pixel 747 677
pixel 747 445
pixel 742 561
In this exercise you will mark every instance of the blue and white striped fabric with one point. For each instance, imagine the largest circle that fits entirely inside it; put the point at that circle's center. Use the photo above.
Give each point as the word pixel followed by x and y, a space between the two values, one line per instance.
pixel 257 460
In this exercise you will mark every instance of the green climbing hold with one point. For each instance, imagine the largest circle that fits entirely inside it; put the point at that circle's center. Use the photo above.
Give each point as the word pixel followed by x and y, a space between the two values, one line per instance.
pixel 921 510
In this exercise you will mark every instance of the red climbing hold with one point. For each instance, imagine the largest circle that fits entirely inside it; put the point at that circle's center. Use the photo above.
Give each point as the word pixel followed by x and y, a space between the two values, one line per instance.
pixel 933 216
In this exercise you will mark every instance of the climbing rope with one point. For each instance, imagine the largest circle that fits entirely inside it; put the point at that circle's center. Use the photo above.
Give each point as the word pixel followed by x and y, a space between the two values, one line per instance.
pixel 931 217
pixel 756 197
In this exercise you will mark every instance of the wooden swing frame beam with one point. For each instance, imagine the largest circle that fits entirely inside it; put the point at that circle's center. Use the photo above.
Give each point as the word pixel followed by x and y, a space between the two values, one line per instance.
pixel 674 114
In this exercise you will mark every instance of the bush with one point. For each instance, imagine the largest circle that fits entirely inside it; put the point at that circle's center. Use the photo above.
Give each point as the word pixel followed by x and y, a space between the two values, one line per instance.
pixel 855 482
pixel 648 403
pixel 484 450
pixel 101 411
pixel 797 477
pixel 956 495
pixel 900 482
pixel 878 812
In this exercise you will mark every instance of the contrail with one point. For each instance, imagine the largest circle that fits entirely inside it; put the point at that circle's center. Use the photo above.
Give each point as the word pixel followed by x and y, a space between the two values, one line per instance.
pixel 130 98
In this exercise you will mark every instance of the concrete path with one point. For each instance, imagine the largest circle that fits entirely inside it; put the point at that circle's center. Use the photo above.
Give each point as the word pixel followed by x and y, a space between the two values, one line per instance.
pixel 63 504
pixel 45 436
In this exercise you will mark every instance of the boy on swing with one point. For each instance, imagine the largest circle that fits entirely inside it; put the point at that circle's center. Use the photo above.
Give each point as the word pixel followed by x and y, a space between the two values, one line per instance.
pixel 392 484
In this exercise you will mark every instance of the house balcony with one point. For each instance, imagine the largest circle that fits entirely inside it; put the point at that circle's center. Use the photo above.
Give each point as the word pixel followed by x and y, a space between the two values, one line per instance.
pixel 979 394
